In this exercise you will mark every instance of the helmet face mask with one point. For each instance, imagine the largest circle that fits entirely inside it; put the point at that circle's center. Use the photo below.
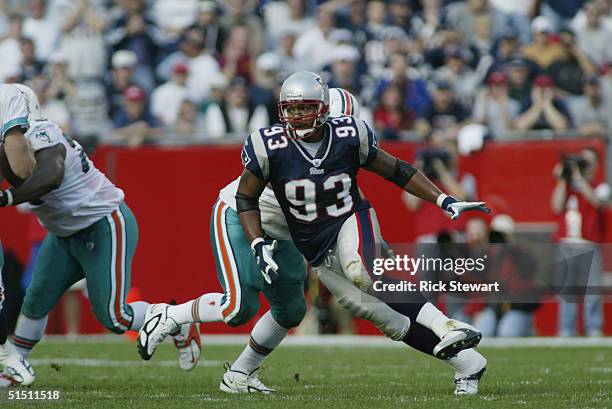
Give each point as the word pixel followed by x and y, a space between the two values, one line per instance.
pixel 303 104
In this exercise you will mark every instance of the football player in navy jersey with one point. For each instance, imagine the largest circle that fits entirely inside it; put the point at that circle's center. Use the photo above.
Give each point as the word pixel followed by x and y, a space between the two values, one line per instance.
pixel 311 163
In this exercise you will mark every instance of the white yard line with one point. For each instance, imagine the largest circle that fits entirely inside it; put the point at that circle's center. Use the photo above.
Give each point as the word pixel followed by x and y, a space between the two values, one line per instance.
pixel 356 341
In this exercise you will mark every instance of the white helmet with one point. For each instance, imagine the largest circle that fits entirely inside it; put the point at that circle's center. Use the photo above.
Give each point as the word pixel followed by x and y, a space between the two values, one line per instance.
pixel 303 88
pixel 32 100
pixel 342 102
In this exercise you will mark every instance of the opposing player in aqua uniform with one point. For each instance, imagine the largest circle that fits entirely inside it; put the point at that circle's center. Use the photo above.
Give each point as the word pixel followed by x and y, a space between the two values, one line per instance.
pixel 14 115
pixel 92 234
pixel 241 377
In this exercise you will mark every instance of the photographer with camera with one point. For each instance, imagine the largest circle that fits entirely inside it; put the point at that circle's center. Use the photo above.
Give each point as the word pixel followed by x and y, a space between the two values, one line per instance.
pixel 579 203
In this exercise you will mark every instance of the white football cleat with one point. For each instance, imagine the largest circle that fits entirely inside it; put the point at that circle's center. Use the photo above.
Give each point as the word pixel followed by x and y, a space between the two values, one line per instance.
pixel 187 341
pixel 17 371
pixel 157 326
pixel 468 385
pixel 239 382
pixel 459 337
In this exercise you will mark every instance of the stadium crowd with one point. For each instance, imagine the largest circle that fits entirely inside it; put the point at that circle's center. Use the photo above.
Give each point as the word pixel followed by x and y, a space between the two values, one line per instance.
pixel 138 71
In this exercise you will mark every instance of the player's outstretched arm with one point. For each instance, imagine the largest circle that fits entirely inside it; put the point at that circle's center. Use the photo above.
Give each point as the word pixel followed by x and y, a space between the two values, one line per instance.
pixel 19 153
pixel 415 182
pixel 47 176
pixel 247 206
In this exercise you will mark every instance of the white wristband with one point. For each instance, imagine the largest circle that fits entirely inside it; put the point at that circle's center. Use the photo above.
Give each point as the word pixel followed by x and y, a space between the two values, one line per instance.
pixel 9 197
pixel 441 199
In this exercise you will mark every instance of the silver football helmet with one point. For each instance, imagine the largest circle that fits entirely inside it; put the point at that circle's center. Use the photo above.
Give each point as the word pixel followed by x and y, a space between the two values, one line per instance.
pixel 303 104
pixel 342 102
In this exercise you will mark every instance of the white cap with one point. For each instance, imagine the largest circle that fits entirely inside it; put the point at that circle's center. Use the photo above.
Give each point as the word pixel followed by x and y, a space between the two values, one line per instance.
pixel 341 35
pixel 541 24
pixel 268 62
pixel 218 81
pixel 124 58
pixel 207 5
pixel 503 224
pixel 345 53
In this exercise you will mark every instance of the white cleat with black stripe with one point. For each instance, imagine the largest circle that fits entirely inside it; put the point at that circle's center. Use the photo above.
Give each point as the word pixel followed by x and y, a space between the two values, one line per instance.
pixel 157 326
pixel 459 337
pixel 17 371
pixel 240 382
pixel 468 385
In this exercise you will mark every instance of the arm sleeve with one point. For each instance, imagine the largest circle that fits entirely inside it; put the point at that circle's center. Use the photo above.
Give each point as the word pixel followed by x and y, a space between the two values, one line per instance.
pixel 15 112
pixel 368 144
pixel 255 156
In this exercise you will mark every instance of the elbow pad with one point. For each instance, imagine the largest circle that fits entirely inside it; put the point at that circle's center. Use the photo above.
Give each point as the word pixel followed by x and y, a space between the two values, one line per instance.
pixel 403 173
pixel 245 203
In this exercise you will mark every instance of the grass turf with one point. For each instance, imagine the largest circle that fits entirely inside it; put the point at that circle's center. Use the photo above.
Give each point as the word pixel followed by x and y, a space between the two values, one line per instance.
pixel 102 375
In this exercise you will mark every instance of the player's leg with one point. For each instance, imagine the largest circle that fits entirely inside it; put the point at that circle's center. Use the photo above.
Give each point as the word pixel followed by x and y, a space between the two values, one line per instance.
pixel 358 239
pixel 15 369
pixel 287 309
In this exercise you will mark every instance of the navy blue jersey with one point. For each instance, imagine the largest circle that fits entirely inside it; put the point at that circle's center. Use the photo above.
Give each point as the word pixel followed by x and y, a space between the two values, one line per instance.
pixel 317 194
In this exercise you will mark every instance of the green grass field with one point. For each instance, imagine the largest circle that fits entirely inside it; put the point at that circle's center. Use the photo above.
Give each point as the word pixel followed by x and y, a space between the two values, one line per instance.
pixel 107 375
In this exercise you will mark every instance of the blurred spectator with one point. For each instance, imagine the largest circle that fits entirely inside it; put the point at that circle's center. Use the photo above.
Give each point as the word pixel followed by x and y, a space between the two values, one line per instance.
pixel 414 91
pixel 10 49
pixel 519 79
pixel 544 110
pixel 309 45
pixel 174 16
pixel 605 9
pixel 30 65
pixel 560 12
pixel 218 86
pixel 267 86
pixel 483 40
pixel 543 50
pixel 378 52
pixel 88 110
pixel 514 268
pixel 375 19
pixel 238 57
pixel 188 120
pixel 289 62
pixel 462 78
pixel 440 161
pixel 236 114
pixel 82 40
pixel 513 14
pixel 60 84
pixel 131 28
pixel 53 109
pixel 569 72
pixel 428 21
pixel 390 117
pixel 134 124
pixel 399 14
pixel 494 107
pixel 462 17
pixel 284 16
pixel 208 23
pixel 120 78
pixel 44 31
pixel 344 69
pixel 579 202
pixel 242 13
pixel 167 98
pixel 355 22
pixel 444 112
pixel 592 112
pixel 594 38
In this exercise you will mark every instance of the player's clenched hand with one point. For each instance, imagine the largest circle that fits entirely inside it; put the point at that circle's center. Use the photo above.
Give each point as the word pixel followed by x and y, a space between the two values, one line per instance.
pixel 263 252
pixel 455 207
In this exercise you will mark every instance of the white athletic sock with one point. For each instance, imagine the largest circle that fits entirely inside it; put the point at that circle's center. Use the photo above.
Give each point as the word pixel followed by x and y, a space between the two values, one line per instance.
pixel 467 362
pixel 266 335
pixel 139 308
pixel 27 333
pixel 206 308
pixel 431 317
